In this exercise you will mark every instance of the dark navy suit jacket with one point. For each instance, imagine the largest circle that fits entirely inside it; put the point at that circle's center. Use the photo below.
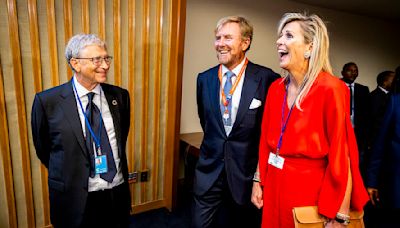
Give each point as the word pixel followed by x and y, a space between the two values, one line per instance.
pixel 384 167
pixel 60 145
pixel 238 152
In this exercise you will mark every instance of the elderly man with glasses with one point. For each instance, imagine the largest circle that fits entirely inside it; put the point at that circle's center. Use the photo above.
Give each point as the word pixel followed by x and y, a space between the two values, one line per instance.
pixel 80 130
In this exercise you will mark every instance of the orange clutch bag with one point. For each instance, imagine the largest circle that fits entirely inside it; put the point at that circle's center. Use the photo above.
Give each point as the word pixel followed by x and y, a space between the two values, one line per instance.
pixel 308 217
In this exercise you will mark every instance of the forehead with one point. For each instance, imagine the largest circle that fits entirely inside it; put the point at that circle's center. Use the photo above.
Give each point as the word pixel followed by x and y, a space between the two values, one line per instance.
pixel 351 67
pixel 293 26
pixel 94 50
pixel 230 28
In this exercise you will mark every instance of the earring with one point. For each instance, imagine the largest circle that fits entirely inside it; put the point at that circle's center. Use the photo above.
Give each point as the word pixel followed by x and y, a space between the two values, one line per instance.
pixel 307 54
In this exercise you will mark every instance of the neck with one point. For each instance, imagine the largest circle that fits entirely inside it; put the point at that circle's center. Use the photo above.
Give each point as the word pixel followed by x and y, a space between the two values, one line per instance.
pixel 296 79
pixel 297 75
pixel 233 65
pixel 89 85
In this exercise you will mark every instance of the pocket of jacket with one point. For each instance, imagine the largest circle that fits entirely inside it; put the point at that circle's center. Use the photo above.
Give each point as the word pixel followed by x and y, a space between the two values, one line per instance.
pixel 57 185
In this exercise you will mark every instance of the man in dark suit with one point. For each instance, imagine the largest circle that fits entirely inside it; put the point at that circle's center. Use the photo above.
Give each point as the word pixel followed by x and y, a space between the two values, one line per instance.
pixel 379 100
pixel 80 130
pixel 230 100
pixel 359 110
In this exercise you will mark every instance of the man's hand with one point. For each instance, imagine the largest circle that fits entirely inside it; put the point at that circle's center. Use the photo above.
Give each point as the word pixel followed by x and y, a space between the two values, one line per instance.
pixel 373 195
pixel 256 195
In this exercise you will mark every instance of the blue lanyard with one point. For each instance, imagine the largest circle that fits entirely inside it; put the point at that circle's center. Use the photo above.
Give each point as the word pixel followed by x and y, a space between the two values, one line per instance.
pixel 97 140
pixel 284 122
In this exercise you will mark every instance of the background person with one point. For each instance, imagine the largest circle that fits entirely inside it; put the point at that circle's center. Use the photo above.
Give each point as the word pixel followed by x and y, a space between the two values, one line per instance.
pixel 359 111
pixel 383 173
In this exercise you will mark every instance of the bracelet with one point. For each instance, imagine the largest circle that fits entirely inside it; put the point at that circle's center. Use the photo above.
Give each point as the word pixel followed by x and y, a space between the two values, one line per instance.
pixel 342 218
pixel 256 177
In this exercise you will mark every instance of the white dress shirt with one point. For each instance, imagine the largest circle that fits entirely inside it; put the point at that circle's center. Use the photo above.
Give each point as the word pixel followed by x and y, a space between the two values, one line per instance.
pixel 236 94
pixel 96 183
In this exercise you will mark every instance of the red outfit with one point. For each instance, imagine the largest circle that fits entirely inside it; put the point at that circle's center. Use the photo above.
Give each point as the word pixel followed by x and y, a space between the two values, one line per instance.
pixel 316 145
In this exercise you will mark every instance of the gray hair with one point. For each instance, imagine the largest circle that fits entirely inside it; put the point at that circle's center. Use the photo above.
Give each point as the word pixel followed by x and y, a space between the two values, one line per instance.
pixel 316 34
pixel 246 29
pixel 78 42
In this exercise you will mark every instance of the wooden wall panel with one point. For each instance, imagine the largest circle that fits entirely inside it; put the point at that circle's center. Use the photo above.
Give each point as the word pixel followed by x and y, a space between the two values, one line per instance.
pixel 5 158
pixel 141 36
pixel 28 210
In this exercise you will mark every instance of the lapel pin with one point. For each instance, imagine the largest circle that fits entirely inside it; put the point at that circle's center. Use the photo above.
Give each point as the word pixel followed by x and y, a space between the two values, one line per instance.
pixel 114 102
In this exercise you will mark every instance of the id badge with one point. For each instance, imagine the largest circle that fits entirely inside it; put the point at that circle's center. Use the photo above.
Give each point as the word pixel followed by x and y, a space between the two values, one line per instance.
pixel 276 161
pixel 101 164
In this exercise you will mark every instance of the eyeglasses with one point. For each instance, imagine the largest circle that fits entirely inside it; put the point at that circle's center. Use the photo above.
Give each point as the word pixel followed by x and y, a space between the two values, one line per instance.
pixel 99 60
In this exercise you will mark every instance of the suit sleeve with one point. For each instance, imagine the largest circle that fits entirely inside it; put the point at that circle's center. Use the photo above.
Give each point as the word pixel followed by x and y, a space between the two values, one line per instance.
pixel 378 149
pixel 40 131
pixel 199 98
pixel 263 148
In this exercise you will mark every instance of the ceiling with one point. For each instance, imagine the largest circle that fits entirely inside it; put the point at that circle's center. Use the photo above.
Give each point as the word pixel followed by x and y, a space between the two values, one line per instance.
pixel 383 9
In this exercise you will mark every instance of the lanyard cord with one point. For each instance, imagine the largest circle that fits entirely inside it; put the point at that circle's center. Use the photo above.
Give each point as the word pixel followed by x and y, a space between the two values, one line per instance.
pixel 284 122
pixel 97 140
pixel 225 101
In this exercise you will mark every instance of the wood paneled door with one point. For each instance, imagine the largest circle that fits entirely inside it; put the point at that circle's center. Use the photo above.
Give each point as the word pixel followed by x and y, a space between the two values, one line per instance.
pixel 145 37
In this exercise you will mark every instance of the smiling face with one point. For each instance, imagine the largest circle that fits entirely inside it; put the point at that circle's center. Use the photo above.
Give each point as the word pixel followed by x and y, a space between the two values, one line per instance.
pixel 87 73
pixel 291 48
pixel 230 45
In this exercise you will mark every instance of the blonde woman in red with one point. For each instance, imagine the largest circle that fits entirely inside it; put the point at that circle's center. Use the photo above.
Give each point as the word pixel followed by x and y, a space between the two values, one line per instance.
pixel 308 153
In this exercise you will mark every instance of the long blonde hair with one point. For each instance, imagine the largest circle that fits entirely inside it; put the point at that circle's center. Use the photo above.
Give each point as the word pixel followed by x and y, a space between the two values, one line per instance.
pixel 315 33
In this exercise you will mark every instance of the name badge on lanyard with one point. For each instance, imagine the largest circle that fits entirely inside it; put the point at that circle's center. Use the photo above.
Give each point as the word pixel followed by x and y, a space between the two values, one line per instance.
pixel 276 160
pixel 100 163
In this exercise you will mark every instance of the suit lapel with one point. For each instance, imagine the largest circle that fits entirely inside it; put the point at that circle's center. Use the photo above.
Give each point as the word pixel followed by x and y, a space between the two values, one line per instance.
pixel 250 85
pixel 72 115
pixel 215 87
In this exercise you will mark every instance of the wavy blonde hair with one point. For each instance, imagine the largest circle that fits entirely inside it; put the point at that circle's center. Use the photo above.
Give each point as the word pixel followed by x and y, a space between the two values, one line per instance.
pixel 316 34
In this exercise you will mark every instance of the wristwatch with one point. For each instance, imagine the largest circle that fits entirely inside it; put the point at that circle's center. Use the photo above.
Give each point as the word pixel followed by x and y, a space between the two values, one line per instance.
pixel 342 218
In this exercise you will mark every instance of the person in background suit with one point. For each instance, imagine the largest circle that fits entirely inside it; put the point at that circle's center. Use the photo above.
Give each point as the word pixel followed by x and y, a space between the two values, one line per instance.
pixel 79 130
pixel 359 110
pixel 383 173
pixel 230 101
pixel 379 100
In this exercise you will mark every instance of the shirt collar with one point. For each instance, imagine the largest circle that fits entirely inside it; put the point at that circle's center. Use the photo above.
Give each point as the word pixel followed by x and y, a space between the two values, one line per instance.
pixel 82 91
pixel 235 70
pixel 384 90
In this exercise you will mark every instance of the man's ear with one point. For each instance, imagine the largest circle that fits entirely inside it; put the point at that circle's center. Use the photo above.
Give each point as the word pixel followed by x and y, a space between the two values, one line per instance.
pixel 75 65
pixel 245 44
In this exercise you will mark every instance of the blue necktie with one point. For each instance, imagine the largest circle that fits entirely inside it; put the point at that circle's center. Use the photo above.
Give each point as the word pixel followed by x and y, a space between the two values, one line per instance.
pixel 94 117
pixel 227 87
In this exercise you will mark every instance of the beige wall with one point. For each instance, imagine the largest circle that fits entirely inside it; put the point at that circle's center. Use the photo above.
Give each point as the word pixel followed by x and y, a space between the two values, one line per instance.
pixel 371 43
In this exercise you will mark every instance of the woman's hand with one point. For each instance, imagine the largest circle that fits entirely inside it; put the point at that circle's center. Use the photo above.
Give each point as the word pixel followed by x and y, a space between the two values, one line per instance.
pixel 256 195
pixel 334 224
pixel 373 195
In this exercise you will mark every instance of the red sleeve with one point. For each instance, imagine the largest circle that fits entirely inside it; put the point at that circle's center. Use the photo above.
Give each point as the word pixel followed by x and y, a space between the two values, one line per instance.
pixel 263 148
pixel 342 146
